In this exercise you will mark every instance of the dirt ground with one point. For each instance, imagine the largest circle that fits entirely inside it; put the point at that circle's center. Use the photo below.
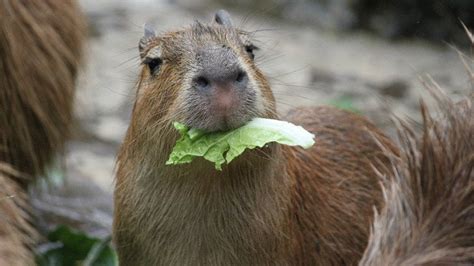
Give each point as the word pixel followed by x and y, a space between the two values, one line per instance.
pixel 306 66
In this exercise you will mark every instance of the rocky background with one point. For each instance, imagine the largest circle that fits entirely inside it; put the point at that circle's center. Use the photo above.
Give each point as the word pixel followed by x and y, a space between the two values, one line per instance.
pixel 393 19
pixel 359 54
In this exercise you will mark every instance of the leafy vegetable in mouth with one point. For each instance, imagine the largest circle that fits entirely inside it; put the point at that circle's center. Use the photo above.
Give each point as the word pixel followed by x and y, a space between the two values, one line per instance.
pixel 223 147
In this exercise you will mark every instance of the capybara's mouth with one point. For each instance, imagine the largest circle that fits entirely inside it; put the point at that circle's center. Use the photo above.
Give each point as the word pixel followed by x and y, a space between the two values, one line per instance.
pixel 221 107
pixel 219 122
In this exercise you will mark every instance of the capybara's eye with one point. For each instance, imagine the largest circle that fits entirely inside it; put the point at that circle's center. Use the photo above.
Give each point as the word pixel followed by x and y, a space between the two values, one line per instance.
pixel 153 64
pixel 249 49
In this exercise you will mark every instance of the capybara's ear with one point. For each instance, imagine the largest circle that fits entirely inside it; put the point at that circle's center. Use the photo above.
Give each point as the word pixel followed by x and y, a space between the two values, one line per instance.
pixel 148 35
pixel 222 17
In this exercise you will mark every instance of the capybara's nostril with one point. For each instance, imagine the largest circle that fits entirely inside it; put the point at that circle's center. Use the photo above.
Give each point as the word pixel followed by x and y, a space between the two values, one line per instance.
pixel 202 82
pixel 241 76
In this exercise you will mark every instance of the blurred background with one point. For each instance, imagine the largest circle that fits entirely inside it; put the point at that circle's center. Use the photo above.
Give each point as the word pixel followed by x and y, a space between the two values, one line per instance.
pixel 364 55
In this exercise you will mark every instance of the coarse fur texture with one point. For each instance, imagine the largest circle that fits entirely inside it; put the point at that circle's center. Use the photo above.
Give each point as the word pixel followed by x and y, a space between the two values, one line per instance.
pixel 428 217
pixel 335 185
pixel 40 47
pixel 17 235
pixel 40 51
pixel 271 206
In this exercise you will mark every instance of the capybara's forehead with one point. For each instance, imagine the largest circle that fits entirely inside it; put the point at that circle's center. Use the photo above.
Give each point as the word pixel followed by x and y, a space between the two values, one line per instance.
pixel 197 35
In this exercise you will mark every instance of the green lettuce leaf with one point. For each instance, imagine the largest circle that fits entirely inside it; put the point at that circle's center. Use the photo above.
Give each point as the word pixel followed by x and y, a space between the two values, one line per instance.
pixel 223 147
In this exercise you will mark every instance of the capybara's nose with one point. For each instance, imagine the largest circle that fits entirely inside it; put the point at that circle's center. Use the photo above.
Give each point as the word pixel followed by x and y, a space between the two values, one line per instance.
pixel 223 89
pixel 222 79
pixel 219 68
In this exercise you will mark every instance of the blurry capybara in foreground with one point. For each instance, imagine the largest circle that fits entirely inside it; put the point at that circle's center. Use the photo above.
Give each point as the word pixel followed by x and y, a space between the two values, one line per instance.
pixel 428 217
pixel 40 52
pixel 17 234
pixel 40 47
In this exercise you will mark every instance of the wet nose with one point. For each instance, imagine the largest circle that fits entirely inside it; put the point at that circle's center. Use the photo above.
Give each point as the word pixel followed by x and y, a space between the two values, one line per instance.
pixel 219 68
pixel 224 90
pixel 222 80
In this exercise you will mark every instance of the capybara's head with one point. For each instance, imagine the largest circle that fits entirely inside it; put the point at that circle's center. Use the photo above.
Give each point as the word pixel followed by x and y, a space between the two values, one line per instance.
pixel 204 76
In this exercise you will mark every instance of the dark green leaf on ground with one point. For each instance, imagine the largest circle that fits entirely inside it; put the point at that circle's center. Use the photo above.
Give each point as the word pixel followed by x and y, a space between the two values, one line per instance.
pixel 76 248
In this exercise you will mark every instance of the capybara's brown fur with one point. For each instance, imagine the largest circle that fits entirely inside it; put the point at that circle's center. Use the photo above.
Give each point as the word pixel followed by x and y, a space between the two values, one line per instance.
pixel 40 51
pixel 40 47
pixel 428 217
pixel 17 235
pixel 272 206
